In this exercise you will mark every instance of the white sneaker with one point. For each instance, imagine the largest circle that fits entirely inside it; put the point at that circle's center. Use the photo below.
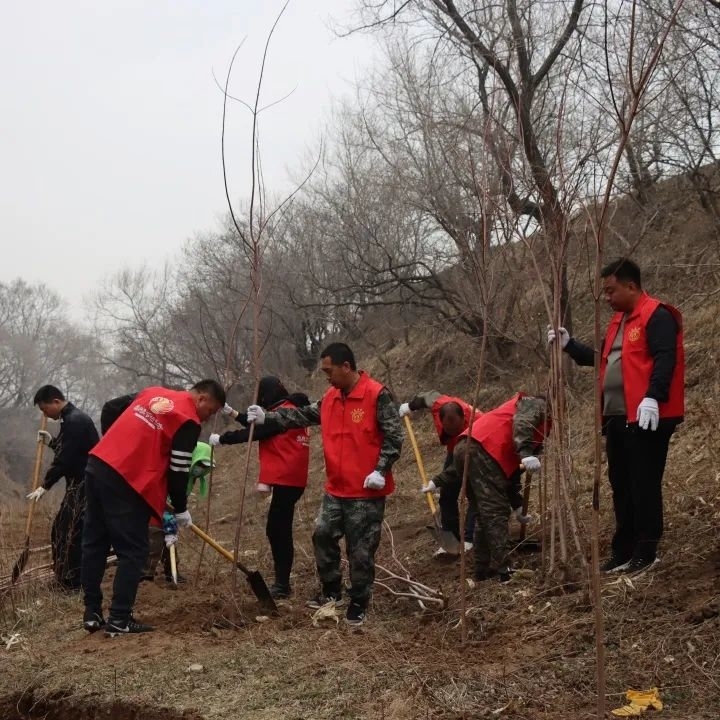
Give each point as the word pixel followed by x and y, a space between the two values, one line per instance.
pixel 468 546
pixel 440 552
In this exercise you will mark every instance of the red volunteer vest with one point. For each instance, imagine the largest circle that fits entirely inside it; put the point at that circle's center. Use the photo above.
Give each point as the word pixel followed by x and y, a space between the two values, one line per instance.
pixel 138 444
pixel 637 363
pixel 451 442
pixel 352 439
pixel 285 458
pixel 494 431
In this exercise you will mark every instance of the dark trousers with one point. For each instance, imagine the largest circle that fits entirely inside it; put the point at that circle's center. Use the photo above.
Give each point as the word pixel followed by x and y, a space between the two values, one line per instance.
pixel 117 516
pixel 636 462
pixel 279 529
pixel 450 512
pixel 66 536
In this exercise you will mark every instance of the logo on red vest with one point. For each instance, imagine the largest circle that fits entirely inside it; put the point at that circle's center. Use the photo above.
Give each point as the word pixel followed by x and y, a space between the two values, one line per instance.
pixel 161 405
pixel 634 334
pixel 357 415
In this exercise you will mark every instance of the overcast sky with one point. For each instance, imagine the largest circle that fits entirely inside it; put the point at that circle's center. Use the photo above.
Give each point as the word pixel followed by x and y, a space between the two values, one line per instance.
pixel 110 122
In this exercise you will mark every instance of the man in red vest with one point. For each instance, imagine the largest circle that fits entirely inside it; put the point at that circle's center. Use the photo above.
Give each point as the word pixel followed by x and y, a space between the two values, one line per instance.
pixel 451 416
pixel 362 438
pixel 284 463
pixel 500 440
pixel 642 371
pixel 143 458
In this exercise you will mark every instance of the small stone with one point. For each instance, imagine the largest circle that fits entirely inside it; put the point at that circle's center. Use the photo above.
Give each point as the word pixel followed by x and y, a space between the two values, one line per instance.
pixel 195 667
pixel 262 618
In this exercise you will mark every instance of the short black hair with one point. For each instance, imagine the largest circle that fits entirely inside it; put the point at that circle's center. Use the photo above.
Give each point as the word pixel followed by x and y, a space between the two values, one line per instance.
pixel 451 407
pixel 211 387
pixel 46 394
pixel 339 353
pixel 624 270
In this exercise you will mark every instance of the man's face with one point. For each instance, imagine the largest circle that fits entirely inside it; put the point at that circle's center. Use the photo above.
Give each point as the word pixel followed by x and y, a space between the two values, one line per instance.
pixel 620 295
pixel 51 409
pixel 453 424
pixel 206 406
pixel 337 375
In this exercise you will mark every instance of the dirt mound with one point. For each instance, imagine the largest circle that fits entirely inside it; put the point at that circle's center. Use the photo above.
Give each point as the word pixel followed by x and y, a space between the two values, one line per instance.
pixel 28 706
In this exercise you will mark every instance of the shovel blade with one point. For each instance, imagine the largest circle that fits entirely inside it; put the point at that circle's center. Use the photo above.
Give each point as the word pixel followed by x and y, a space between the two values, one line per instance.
pixel 445 539
pixel 262 592
pixel 20 564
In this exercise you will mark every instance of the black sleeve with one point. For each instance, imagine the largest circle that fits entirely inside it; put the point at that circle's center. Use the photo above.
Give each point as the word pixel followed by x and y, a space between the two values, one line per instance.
pixel 183 445
pixel 582 354
pixel 77 437
pixel 662 333
pixel 113 409
pixel 262 432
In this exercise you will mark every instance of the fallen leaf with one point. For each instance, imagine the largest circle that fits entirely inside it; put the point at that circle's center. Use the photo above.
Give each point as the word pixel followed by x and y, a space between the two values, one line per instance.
pixel 326 612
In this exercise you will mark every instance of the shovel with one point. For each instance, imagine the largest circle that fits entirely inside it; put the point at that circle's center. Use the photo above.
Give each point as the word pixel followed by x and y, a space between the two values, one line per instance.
pixel 447 541
pixel 20 563
pixel 254 578
pixel 532 544
pixel 173 565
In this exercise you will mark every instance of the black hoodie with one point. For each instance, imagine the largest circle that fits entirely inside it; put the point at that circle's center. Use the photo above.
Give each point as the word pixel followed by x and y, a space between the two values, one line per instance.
pixel 271 393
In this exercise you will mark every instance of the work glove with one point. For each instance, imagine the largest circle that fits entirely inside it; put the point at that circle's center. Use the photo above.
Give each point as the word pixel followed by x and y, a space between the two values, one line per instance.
pixel 227 410
pixel 263 489
pixel 44 437
pixel 183 519
pixel 648 414
pixel 36 494
pixel 256 414
pixel 214 439
pixel 430 487
pixel 522 519
pixel 170 540
pixel 531 464
pixel 374 481
pixel 404 409
pixel 564 336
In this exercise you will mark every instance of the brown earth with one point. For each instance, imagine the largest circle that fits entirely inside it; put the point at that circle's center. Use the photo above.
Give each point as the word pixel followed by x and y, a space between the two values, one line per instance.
pixel 530 652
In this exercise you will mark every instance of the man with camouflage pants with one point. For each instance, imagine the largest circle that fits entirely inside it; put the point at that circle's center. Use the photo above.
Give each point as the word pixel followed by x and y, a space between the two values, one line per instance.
pixel 362 438
pixel 499 441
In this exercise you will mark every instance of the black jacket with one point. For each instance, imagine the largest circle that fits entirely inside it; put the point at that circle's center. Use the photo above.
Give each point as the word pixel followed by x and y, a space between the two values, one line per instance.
pixel 76 438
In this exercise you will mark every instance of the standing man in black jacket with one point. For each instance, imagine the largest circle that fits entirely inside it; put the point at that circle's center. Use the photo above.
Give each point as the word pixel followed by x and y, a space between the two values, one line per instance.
pixel 76 438
pixel 642 370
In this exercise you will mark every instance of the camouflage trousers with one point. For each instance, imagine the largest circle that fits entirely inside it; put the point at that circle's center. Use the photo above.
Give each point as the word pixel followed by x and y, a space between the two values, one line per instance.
pixel 487 493
pixel 359 520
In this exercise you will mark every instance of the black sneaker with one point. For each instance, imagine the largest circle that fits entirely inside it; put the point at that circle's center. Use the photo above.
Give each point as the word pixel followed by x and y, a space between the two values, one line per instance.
pixel 506 575
pixel 637 565
pixel 280 592
pixel 125 627
pixel 321 599
pixel 181 580
pixel 614 564
pixel 93 621
pixel 355 614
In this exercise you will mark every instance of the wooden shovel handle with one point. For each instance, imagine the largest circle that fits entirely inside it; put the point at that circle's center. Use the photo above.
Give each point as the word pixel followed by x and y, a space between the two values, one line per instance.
pixel 39 450
pixel 219 548
pixel 420 464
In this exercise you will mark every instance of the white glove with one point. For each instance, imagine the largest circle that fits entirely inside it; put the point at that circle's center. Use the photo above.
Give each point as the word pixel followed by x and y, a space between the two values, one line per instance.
pixel 430 487
pixel 44 437
pixel 227 410
pixel 564 336
pixel 170 540
pixel 404 409
pixel 648 414
pixel 522 519
pixel 256 414
pixel 374 481
pixel 36 494
pixel 183 519
pixel 214 439
pixel 531 463
pixel 263 489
